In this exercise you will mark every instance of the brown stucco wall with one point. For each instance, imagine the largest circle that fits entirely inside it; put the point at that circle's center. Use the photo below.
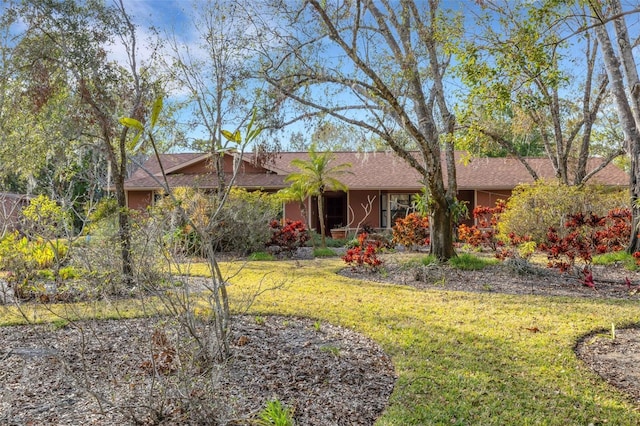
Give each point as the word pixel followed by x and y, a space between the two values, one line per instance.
pixel 205 166
pixel 197 168
pixel 292 211
pixel 468 197
pixel 489 198
pixel 139 200
pixel 245 167
pixel 359 198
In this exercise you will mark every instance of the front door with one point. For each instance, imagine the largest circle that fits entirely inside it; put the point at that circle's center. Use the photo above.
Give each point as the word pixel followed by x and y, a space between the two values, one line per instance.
pixel 335 210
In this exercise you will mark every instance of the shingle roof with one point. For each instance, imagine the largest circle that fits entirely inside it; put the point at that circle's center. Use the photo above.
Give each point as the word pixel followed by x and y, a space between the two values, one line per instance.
pixel 385 170
pixel 375 170
pixel 169 161
pixel 506 173
pixel 207 181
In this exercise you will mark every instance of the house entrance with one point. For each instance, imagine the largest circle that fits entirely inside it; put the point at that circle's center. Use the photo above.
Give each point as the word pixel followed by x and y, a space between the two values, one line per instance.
pixel 335 210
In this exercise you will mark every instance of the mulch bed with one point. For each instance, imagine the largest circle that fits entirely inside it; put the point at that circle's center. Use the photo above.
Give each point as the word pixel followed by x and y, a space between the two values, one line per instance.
pixel 509 277
pixel 615 358
pixel 100 373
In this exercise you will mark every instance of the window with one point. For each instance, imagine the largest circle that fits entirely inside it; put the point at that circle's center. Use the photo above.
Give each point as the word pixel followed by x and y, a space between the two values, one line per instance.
pixel 395 206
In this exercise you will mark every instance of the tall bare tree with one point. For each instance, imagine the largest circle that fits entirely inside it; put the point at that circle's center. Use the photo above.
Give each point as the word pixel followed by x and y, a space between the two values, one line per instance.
pixel 377 65
pixel 104 90
pixel 625 85
pixel 213 73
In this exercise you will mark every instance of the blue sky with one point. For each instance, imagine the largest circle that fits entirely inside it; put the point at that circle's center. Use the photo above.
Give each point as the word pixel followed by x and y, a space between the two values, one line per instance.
pixel 169 16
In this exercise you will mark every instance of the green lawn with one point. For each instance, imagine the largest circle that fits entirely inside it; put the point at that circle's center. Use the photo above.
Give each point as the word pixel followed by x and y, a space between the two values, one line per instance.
pixel 464 358
pixel 461 358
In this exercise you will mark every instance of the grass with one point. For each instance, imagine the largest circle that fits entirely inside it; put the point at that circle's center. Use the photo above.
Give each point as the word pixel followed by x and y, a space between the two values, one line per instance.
pixel 324 252
pixel 428 260
pixel 461 358
pixel 466 358
pixel 260 256
pixel 627 261
pixel 410 260
pixel 276 414
pixel 469 262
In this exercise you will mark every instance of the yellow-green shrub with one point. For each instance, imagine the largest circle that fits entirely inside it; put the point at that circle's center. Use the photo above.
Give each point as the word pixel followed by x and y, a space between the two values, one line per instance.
pixel 533 208
pixel 17 253
pixel 103 220
pixel 43 217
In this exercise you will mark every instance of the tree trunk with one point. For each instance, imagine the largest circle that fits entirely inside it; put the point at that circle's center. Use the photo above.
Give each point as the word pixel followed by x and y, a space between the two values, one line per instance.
pixel 442 236
pixel 124 231
pixel 589 108
pixel 124 236
pixel 305 220
pixel 323 240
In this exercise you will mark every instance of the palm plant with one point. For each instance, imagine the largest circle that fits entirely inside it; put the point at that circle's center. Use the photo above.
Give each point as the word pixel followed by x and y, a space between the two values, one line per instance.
pixel 316 176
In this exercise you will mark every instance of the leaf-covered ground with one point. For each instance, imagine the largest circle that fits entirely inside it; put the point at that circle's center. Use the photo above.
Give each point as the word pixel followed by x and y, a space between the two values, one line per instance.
pixel 102 373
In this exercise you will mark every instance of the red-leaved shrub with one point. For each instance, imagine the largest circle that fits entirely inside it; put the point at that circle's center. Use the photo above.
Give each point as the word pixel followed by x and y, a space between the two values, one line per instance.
pixel 587 234
pixel 288 235
pixel 364 254
pixel 484 233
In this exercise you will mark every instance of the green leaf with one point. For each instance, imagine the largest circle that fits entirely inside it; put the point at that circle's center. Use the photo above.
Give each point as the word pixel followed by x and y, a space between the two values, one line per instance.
pixel 250 125
pixel 155 110
pixel 134 145
pixel 232 137
pixel 227 134
pixel 253 134
pixel 131 122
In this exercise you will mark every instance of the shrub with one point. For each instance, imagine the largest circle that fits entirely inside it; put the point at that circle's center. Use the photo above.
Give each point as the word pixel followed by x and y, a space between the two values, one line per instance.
pixel 103 220
pixel 240 226
pixel 19 253
pixel 331 242
pixel 629 261
pixel 44 218
pixel 288 235
pixel 534 208
pixel 412 230
pixel 69 273
pixel 44 223
pixel 244 220
pixel 323 252
pixel 365 254
pixel 586 235
pixel 485 233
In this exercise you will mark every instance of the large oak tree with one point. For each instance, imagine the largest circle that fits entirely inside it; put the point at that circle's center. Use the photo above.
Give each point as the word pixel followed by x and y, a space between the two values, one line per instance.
pixel 380 66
